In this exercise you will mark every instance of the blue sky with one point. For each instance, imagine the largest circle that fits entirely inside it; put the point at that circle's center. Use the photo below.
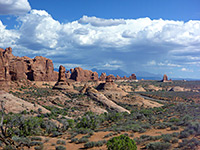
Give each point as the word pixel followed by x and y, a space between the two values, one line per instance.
pixel 132 35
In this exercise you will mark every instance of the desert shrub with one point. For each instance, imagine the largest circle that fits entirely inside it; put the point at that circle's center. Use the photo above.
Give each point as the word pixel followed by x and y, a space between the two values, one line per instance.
pixel 166 137
pixel 113 117
pixel 184 134
pixel 94 144
pixel 74 140
pixel 189 144
pixel 120 143
pixel 60 147
pixel 23 126
pixel 83 140
pixel 89 121
pixel 56 134
pixel 155 138
pixel 175 134
pixel 175 140
pixel 34 143
pixel 41 147
pixel 174 119
pixel 195 126
pixel 35 138
pixel 146 112
pixel 21 140
pixel 174 128
pixel 82 130
pixel 61 142
pixel 158 146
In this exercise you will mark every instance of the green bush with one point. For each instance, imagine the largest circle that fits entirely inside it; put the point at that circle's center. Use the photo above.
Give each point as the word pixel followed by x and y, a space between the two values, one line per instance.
pixel 121 142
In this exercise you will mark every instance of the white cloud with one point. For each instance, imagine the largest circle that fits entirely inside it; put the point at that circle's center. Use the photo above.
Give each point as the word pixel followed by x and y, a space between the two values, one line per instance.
pixel 101 22
pixel 168 64
pixel 151 63
pixel 14 7
pixel 8 37
pixel 95 42
pixel 186 70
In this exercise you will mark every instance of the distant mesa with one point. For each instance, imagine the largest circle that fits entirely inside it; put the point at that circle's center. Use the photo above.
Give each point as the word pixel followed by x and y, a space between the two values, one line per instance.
pixel 165 79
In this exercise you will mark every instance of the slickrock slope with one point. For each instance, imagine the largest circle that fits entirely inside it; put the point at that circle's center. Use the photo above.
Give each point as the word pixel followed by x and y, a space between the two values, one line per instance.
pixel 98 96
pixel 17 105
pixel 110 89
pixel 140 89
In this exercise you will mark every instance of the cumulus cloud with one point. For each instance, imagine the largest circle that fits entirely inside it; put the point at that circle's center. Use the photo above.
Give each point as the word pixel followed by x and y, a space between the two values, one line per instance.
pixel 99 22
pixel 8 37
pixel 95 42
pixel 14 7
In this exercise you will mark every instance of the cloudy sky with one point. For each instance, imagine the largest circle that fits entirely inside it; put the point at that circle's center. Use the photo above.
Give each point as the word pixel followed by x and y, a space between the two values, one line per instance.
pixel 161 37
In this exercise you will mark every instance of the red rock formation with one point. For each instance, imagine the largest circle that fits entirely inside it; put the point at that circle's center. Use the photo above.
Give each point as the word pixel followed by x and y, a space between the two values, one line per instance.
pixel 110 78
pixel 14 68
pixel 4 66
pixel 102 77
pixel 132 77
pixel 118 77
pixel 78 74
pixel 62 83
pixel 61 77
pixel 125 78
pixel 165 78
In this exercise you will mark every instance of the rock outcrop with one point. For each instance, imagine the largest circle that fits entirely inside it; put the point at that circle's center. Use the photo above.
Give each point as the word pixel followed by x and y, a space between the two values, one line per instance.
pixel 165 79
pixel 132 77
pixel 14 68
pixel 153 88
pixel 140 89
pixel 102 77
pixel 181 89
pixel 98 96
pixel 62 83
pixel 78 74
pixel 110 89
